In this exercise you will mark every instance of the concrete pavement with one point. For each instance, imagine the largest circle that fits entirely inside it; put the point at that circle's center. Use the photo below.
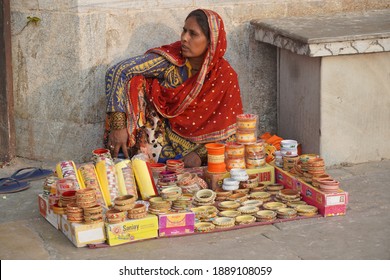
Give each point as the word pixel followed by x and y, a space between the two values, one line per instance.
pixel 363 233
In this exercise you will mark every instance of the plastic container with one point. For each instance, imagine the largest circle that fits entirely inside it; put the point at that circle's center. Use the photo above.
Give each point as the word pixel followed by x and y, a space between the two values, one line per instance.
pixel 289 144
pixel 257 147
pixel 215 148
pixel 233 163
pixel 247 122
pixel 245 137
pixel 215 157
pixel 235 150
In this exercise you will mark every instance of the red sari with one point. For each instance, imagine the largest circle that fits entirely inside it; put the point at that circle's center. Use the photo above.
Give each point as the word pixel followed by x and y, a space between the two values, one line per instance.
pixel 202 109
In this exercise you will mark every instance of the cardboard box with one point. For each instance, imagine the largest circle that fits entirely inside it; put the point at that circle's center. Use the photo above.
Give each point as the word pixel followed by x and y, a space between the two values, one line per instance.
pixel 46 212
pixel 132 230
pixel 176 223
pixel 266 173
pixel 328 204
pixel 214 180
pixel 176 231
pixel 82 234
pixel 286 179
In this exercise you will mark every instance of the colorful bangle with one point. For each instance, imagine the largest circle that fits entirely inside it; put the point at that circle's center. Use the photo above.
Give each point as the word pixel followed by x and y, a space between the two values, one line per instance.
pixel 126 207
pixel 94 210
pixel 124 200
pixel 59 210
pixel 205 195
pixel 138 209
pixel 137 216
pixel 117 120
pixel 224 221
pixel 204 226
pixel 73 208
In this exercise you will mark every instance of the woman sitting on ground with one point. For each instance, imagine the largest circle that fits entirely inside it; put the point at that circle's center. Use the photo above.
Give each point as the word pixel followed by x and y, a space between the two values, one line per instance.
pixel 172 100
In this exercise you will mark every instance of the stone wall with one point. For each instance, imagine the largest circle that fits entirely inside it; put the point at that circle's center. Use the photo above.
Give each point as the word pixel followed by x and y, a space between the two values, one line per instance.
pixel 59 63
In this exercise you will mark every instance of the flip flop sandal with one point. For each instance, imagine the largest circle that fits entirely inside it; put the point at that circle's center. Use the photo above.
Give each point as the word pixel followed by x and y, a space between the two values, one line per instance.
pixel 31 174
pixel 11 185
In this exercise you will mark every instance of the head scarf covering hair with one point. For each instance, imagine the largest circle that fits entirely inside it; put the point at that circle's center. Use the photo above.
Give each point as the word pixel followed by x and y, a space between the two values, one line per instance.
pixel 204 108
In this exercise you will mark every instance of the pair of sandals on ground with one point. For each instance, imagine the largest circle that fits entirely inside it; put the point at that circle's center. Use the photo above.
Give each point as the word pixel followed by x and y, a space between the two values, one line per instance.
pixel 20 179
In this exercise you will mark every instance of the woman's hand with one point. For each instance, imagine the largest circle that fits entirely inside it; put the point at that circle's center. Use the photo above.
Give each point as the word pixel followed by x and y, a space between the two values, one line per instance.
pixel 117 140
pixel 192 160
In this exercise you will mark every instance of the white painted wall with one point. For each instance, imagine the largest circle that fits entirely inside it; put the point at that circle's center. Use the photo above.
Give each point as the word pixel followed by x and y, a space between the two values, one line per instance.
pixel 355 106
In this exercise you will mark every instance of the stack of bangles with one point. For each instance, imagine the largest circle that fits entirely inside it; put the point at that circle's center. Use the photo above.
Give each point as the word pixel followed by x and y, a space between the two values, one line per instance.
pixel 316 166
pixel 245 219
pixel 59 210
pixel 224 222
pixel 182 203
pixel 190 189
pixel 93 214
pixel 221 194
pixel 74 213
pixel 191 181
pixel 124 203
pixel 187 179
pixel 86 197
pixel 66 198
pixel 138 212
pixel 204 197
pixel 204 226
pixel 171 193
pixel 117 120
pixel 114 216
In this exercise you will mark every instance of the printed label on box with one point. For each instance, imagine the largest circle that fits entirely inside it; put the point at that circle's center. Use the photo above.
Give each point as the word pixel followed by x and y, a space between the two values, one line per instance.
pixel 90 235
pixel 82 234
pixel 176 231
pixel 132 230
pixel 298 186
pixel 46 212
pixel 335 200
pixel 176 220
pixel 214 180
pixel 266 174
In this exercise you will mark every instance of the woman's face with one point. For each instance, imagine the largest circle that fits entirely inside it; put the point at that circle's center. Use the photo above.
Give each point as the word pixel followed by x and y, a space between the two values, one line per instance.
pixel 194 42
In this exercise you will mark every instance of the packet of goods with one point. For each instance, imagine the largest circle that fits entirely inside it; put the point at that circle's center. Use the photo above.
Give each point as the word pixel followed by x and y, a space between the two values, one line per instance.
pixel 105 169
pixel 89 179
pixel 67 169
pixel 144 178
pixel 125 177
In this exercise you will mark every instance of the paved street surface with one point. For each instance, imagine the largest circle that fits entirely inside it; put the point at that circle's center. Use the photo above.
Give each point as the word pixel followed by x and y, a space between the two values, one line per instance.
pixel 363 233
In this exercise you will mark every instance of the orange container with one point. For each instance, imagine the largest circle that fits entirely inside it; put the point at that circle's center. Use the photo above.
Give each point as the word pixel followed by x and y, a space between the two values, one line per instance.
pixel 216 167
pixel 215 148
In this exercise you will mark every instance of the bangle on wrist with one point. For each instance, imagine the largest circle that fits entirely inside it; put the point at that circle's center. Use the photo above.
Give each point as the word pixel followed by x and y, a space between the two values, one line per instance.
pixel 117 120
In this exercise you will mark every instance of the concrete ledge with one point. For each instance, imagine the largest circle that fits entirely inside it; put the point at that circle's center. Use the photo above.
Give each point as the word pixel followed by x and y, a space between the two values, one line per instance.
pixel 328 36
